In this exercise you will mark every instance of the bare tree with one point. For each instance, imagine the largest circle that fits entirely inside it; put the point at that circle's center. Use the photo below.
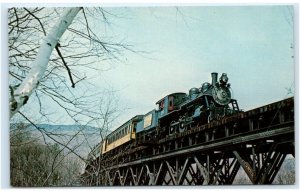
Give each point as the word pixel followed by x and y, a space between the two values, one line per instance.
pixel 22 93
pixel 52 50
pixel 68 149
pixel 33 163
pixel 37 71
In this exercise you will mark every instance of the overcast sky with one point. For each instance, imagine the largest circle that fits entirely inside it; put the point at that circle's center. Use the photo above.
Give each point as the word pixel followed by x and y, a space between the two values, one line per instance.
pixel 252 44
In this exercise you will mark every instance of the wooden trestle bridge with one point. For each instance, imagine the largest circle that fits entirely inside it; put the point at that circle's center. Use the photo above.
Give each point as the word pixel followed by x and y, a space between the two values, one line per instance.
pixel 257 140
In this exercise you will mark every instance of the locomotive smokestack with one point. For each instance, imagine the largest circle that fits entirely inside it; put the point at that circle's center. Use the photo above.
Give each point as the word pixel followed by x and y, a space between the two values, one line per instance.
pixel 214 78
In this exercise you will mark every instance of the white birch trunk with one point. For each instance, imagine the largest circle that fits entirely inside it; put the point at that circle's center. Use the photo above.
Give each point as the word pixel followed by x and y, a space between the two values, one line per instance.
pixel 39 66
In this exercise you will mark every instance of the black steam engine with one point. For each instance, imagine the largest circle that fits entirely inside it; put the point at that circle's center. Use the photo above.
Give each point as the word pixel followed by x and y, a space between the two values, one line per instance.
pixel 212 101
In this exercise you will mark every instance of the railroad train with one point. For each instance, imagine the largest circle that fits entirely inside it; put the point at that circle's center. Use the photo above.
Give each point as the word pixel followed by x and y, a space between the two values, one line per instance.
pixel 175 113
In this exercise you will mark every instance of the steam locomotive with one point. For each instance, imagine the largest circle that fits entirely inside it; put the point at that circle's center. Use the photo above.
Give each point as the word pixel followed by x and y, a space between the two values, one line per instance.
pixel 175 113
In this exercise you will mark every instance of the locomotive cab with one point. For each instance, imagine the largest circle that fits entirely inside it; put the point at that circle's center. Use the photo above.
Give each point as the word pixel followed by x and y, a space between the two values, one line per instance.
pixel 170 103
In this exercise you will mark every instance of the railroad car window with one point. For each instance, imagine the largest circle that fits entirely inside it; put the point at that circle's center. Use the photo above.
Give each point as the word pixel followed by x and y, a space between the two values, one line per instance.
pixel 161 105
pixel 171 101
pixel 171 106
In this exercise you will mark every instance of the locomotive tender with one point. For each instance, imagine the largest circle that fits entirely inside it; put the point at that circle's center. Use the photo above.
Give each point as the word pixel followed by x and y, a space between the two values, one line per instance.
pixel 176 112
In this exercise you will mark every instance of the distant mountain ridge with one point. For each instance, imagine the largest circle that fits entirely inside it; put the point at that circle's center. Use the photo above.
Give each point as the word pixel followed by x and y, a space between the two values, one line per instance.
pixel 58 127
pixel 83 138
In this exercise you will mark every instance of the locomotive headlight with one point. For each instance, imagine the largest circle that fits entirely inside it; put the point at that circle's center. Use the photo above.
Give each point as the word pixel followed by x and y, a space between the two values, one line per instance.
pixel 223 79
